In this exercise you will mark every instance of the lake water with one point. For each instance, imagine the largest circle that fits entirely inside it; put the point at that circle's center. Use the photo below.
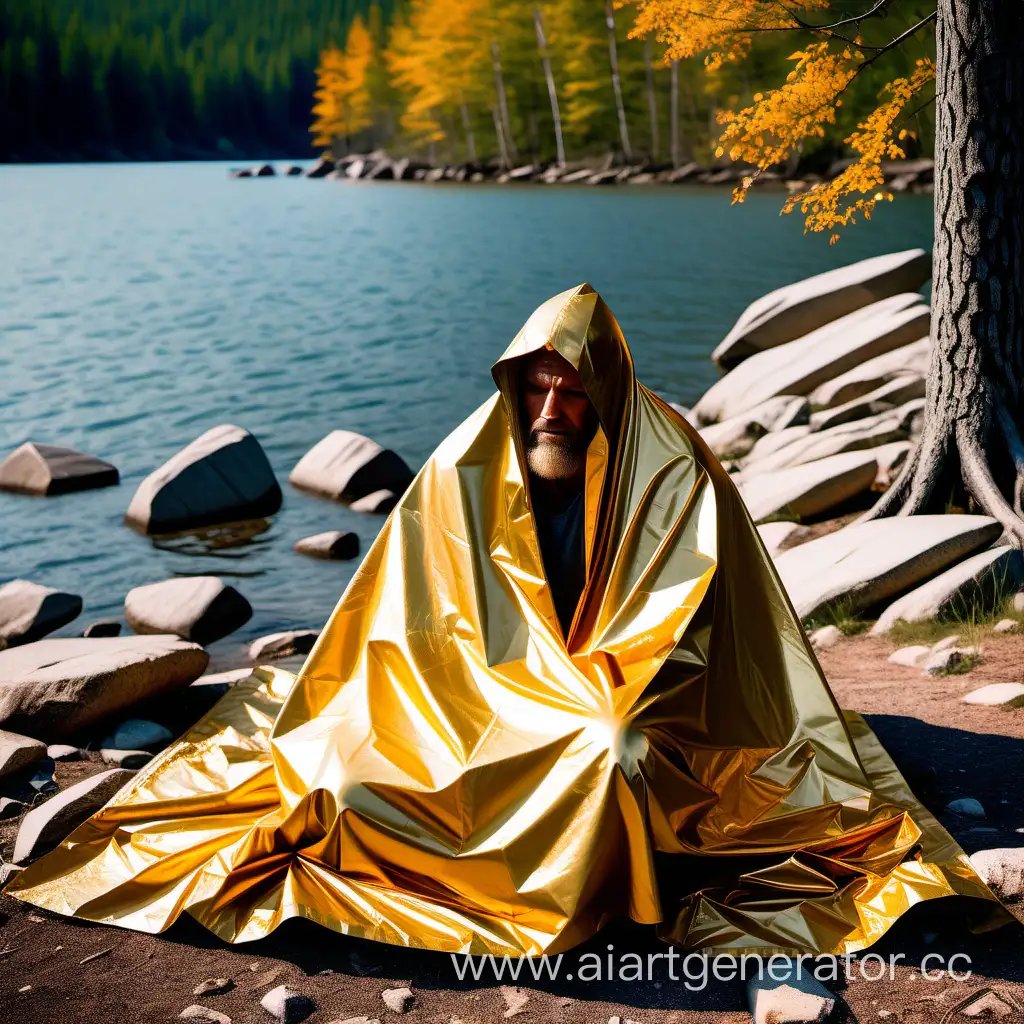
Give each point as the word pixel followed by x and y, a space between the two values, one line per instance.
pixel 141 304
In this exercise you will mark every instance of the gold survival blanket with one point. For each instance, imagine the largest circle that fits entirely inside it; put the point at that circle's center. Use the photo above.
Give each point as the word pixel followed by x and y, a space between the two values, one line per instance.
pixel 448 771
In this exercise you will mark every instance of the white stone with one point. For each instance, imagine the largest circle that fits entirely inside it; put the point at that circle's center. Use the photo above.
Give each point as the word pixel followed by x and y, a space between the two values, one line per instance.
pixel 800 366
pixel 204 1015
pixel 826 637
pixel 912 656
pixel 988 1005
pixel 771 443
pixel 46 469
pixel 865 563
pixel 890 395
pixel 908 360
pixel 199 608
pixel 1006 626
pixel 1002 871
pixel 376 502
pixel 891 459
pixel 51 822
pixel 125 758
pixel 399 1000
pixel 28 611
pixel 945 643
pixel 18 752
pixel 797 309
pixel 806 490
pixel 803 1000
pixel 1018 603
pixel 733 438
pixel 138 734
pixel 53 688
pixel 776 534
pixel 515 1000
pixel 978 582
pixel 1007 695
pixel 967 806
pixel 283 645
pixel 334 545
pixel 287 1005
pixel 347 466
pixel 222 476
pixel 950 660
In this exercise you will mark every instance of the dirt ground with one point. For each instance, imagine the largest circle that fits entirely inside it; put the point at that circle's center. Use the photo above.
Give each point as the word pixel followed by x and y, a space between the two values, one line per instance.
pixel 55 969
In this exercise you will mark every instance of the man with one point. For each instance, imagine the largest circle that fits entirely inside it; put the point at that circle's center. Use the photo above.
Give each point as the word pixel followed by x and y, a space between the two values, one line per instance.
pixel 565 685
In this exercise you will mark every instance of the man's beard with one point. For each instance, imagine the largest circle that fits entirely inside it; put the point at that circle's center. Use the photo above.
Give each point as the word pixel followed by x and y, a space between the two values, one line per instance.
pixel 558 457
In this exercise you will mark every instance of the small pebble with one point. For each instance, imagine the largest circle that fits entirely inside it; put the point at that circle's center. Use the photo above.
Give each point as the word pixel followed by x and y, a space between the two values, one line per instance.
pixel 287 1005
pixel 213 987
pixel 204 1015
pixel 968 806
pixel 398 1000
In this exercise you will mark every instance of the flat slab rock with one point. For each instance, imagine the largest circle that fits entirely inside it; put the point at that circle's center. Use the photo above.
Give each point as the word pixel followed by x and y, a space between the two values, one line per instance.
pixel 283 645
pixel 796 309
pixel 333 545
pixel 347 466
pixel 48 470
pixel 978 581
pixel 865 563
pixel 53 688
pixel 198 608
pixel 29 611
pixel 1007 695
pixel 222 476
pixel 18 752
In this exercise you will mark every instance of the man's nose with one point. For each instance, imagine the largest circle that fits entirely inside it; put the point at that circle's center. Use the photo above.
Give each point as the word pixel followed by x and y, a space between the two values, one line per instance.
pixel 552 406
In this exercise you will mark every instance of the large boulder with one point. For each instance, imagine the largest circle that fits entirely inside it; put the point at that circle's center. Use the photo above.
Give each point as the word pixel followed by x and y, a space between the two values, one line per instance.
pixel 46 469
pixel 197 608
pixel 807 490
pixel 221 477
pixel 779 535
pixel 799 367
pixel 733 438
pixel 18 752
pixel 890 395
pixel 863 564
pixel 907 360
pixel 29 611
pixel 50 823
pixel 859 435
pixel 976 584
pixel 797 309
pixel 347 466
pixel 51 689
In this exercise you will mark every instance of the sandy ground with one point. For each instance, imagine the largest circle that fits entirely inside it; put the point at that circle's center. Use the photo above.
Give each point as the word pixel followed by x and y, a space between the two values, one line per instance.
pixel 945 748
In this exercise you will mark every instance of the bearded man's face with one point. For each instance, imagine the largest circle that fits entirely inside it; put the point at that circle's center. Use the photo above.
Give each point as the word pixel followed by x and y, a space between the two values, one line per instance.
pixel 558 419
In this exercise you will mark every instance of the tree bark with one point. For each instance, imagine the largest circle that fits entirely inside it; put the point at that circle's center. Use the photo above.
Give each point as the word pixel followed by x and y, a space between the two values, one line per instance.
pixel 674 115
pixel 467 127
pixel 613 58
pixel 652 101
pixel 509 146
pixel 972 436
pixel 499 131
pixel 552 93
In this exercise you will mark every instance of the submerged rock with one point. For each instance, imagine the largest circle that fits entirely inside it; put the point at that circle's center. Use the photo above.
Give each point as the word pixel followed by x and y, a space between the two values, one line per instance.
pixel 29 611
pixel 199 608
pixel 347 466
pixel 104 628
pixel 283 645
pixel 46 469
pixel 797 309
pixel 221 477
pixel 53 688
pixel 334 545
pixel 865 563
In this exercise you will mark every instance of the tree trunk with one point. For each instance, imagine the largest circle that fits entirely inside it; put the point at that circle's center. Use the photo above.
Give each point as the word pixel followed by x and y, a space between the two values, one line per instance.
pixel 552 93
pixel 509 145
pixel 652 102
pixel 613 57
pixel 499 131
pixel 674 115
pixel 972 430
pixel 467 127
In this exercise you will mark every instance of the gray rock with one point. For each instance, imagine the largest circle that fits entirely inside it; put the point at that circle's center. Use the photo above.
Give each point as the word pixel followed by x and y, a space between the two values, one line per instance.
pixel 733 438
pixel 347 466
pixel 907 361
pixel 980 582
pixel 204 1015
pixel 515 1000
pixel 911 657
pixel 46 469
pixel 199 608
pixel 1018 603
pixel 334 545
pixel 138 734
pixel 797 309
pixel 213 987
pixel 377 503
pixel 264 171
pixel 283 645
pixel 890 395
pixel 19 752
pixel 399 1000
pixel 950 661
pixel 800 366
pixel 221 477
pixel 800 1000
pixel 966 806
pixel 53 688
pixel 126 758
pixel 10 808
pixel 50 823
pixel 989 1005
pixel 104 628
pixel 63 752
pixel 29 611
pixel 1002 871
pixel 287 1005
pixel 772 443
pixel 321 168
pixel 865 563
pixel 1006 695
pixel 1007 626
pixel 807 490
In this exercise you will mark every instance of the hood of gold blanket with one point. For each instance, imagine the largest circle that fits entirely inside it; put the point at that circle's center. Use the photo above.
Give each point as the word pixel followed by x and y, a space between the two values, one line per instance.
pixel 450 771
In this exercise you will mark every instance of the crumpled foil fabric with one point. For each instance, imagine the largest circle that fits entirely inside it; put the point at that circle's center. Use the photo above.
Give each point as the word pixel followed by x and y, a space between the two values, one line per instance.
pixel 449 771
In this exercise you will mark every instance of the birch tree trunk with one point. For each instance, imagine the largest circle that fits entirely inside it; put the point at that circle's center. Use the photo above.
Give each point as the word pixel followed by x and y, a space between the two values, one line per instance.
pixel 509 146
pixel 552 93
pixel 973 418
pixel 613 57
pixel 499 131
pixel 652 102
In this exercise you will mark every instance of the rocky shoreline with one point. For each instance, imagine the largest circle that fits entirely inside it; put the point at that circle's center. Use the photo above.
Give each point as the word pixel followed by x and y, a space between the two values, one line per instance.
pixel 900 175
